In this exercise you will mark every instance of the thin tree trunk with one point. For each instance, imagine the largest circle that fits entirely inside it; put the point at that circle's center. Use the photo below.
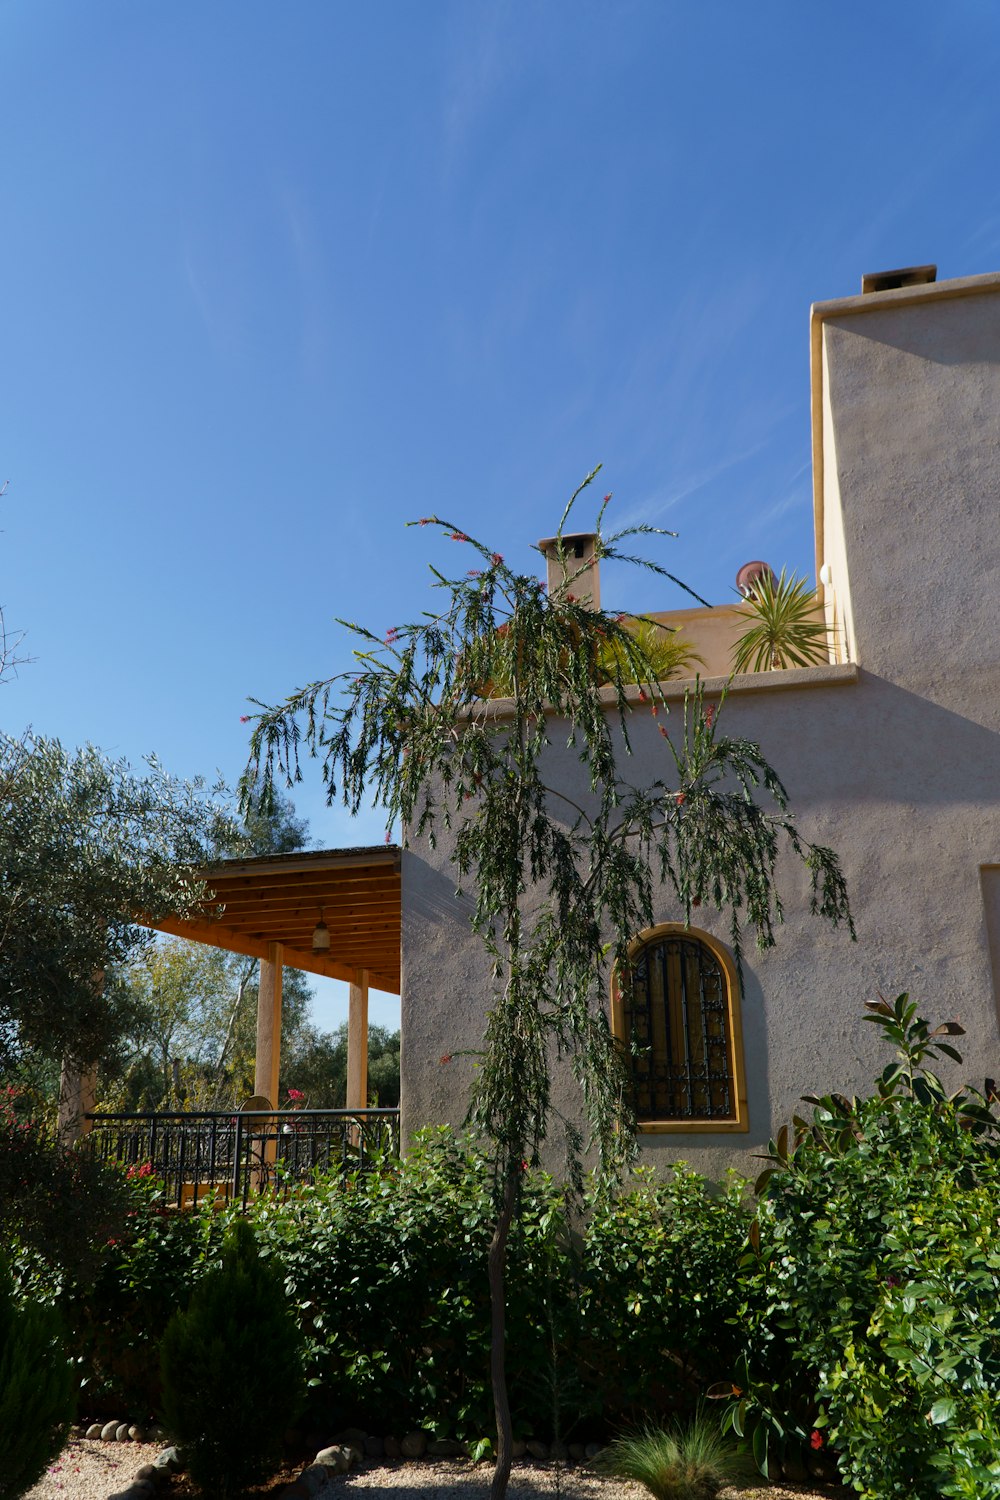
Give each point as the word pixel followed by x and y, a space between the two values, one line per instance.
pixel 498 1328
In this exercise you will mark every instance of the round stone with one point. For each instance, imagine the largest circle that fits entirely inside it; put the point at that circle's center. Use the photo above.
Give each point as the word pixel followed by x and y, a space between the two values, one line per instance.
pixel 108 1431
pixel 94 1430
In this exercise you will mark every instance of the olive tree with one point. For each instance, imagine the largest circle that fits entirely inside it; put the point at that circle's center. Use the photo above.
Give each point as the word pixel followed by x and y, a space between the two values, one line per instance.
pixel 86 847
pixel 561 886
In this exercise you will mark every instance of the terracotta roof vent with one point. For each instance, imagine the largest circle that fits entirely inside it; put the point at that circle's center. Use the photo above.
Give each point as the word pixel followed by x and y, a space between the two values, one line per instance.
pixel 888 281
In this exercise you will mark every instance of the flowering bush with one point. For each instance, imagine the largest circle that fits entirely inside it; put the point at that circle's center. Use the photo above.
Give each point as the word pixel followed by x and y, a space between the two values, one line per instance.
pixel 58 1205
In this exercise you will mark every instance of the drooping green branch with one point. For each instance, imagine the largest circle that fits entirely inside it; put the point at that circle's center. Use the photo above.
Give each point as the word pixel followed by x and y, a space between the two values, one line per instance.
pixel 452 722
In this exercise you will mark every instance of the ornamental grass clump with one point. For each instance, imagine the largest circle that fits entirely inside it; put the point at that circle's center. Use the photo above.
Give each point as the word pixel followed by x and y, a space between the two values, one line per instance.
pixel 37 1390
pixel 231 1367
pixel 678 1463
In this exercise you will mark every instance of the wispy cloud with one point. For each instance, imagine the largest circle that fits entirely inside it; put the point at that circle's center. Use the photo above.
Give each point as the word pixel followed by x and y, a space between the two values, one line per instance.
pixel 193 269
pixel 651 509
pixel 481 64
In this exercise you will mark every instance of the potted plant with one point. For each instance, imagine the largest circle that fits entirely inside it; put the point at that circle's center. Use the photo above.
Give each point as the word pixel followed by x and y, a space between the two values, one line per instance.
pixel 783 630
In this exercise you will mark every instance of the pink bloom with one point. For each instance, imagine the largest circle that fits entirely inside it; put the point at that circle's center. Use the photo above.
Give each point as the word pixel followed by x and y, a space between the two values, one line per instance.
pixel 680 798
pixel 663 731
pixel 496 558
pixel 296 1094
pixel 474 573
pixel 444 1059
pixel 391 635
pixel 642 696
pixel 425 520
pixel 388 835
pixel 570 598
pixel 244 718
pixel 607 498
pixel 816 1441
pixel 710 715
pixel 459 536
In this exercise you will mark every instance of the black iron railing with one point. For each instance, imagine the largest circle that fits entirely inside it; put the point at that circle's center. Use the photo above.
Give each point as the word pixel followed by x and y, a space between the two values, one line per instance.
pixel 230 1156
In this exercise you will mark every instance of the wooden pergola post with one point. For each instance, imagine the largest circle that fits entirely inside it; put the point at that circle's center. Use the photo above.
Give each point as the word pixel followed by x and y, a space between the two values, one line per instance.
pixel 357 1042
pixel 268 1061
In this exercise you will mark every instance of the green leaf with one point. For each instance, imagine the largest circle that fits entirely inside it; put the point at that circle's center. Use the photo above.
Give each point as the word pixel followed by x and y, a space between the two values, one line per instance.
pixel 942 1411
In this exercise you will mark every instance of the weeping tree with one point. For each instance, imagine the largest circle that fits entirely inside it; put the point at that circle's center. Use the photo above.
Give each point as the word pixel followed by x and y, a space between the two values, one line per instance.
pixel 561 884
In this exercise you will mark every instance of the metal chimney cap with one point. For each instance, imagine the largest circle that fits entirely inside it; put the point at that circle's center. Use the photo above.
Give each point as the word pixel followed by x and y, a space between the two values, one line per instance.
pixel 888 281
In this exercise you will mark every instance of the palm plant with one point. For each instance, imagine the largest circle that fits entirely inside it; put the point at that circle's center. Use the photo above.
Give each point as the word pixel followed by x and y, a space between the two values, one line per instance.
pixel 678 1463
pixel 664 653
pixel 784 632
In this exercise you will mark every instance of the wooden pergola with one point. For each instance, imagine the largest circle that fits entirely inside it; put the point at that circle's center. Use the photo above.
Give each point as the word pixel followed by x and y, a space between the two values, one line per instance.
pixel 269 908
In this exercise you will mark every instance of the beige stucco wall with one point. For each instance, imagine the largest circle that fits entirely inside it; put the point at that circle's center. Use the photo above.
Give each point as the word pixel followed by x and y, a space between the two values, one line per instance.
pixel 896 765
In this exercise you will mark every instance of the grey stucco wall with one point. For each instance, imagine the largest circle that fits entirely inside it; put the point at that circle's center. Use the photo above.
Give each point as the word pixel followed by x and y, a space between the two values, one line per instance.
pixel 899 770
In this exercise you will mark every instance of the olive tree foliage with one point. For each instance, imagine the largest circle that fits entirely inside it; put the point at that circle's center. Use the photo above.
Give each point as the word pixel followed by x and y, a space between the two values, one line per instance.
pixel 193 1039
pixel 561 883
pixel 86 844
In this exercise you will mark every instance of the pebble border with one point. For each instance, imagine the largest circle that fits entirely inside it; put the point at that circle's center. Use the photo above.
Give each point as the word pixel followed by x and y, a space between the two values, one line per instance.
pixel 347 1450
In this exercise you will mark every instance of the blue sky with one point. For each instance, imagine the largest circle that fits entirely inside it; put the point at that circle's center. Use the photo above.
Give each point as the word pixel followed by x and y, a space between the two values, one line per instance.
pixel 278 278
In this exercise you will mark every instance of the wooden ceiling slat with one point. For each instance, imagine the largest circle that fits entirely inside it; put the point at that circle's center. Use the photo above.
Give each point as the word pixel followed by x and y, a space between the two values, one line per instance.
pixel 307 900
pixel 294 917
pixel 307 881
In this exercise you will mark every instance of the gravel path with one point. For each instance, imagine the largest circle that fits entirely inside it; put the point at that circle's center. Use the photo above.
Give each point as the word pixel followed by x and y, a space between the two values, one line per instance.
pixel 92 1470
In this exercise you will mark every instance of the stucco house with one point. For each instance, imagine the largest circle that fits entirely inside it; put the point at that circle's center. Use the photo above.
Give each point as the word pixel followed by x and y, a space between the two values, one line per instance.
pixel 890 753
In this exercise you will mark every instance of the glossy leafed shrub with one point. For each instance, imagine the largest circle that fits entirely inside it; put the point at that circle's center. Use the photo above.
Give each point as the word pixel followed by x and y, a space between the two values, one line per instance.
pixel 616 1308
pixel 659 1283
pixel 875 1328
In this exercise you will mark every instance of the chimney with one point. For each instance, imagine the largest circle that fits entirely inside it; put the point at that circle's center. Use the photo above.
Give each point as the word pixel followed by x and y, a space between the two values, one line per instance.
pixel 889 281
pixel 571 559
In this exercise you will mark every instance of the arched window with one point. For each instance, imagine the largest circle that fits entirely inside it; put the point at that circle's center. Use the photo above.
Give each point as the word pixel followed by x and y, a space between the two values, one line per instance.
pixel 678 1019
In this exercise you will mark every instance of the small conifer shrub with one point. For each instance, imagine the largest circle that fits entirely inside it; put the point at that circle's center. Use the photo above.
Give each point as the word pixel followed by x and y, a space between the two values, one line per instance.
pixel 37 1390
pixel 231 1369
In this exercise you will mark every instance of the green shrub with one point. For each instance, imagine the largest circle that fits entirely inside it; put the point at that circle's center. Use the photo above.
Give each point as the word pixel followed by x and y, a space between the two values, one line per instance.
pixel 231 1367
pixel 878 1326
pixel 659 1285
pixel 389 1275
pixel 37 1390
pixel 621 1311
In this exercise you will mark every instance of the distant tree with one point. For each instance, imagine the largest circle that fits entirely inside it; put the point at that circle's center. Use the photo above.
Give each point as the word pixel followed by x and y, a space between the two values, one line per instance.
pixel 10 640
pixel 562 880
pixel 316 1063
pixel 85 845
pixel 194 1038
